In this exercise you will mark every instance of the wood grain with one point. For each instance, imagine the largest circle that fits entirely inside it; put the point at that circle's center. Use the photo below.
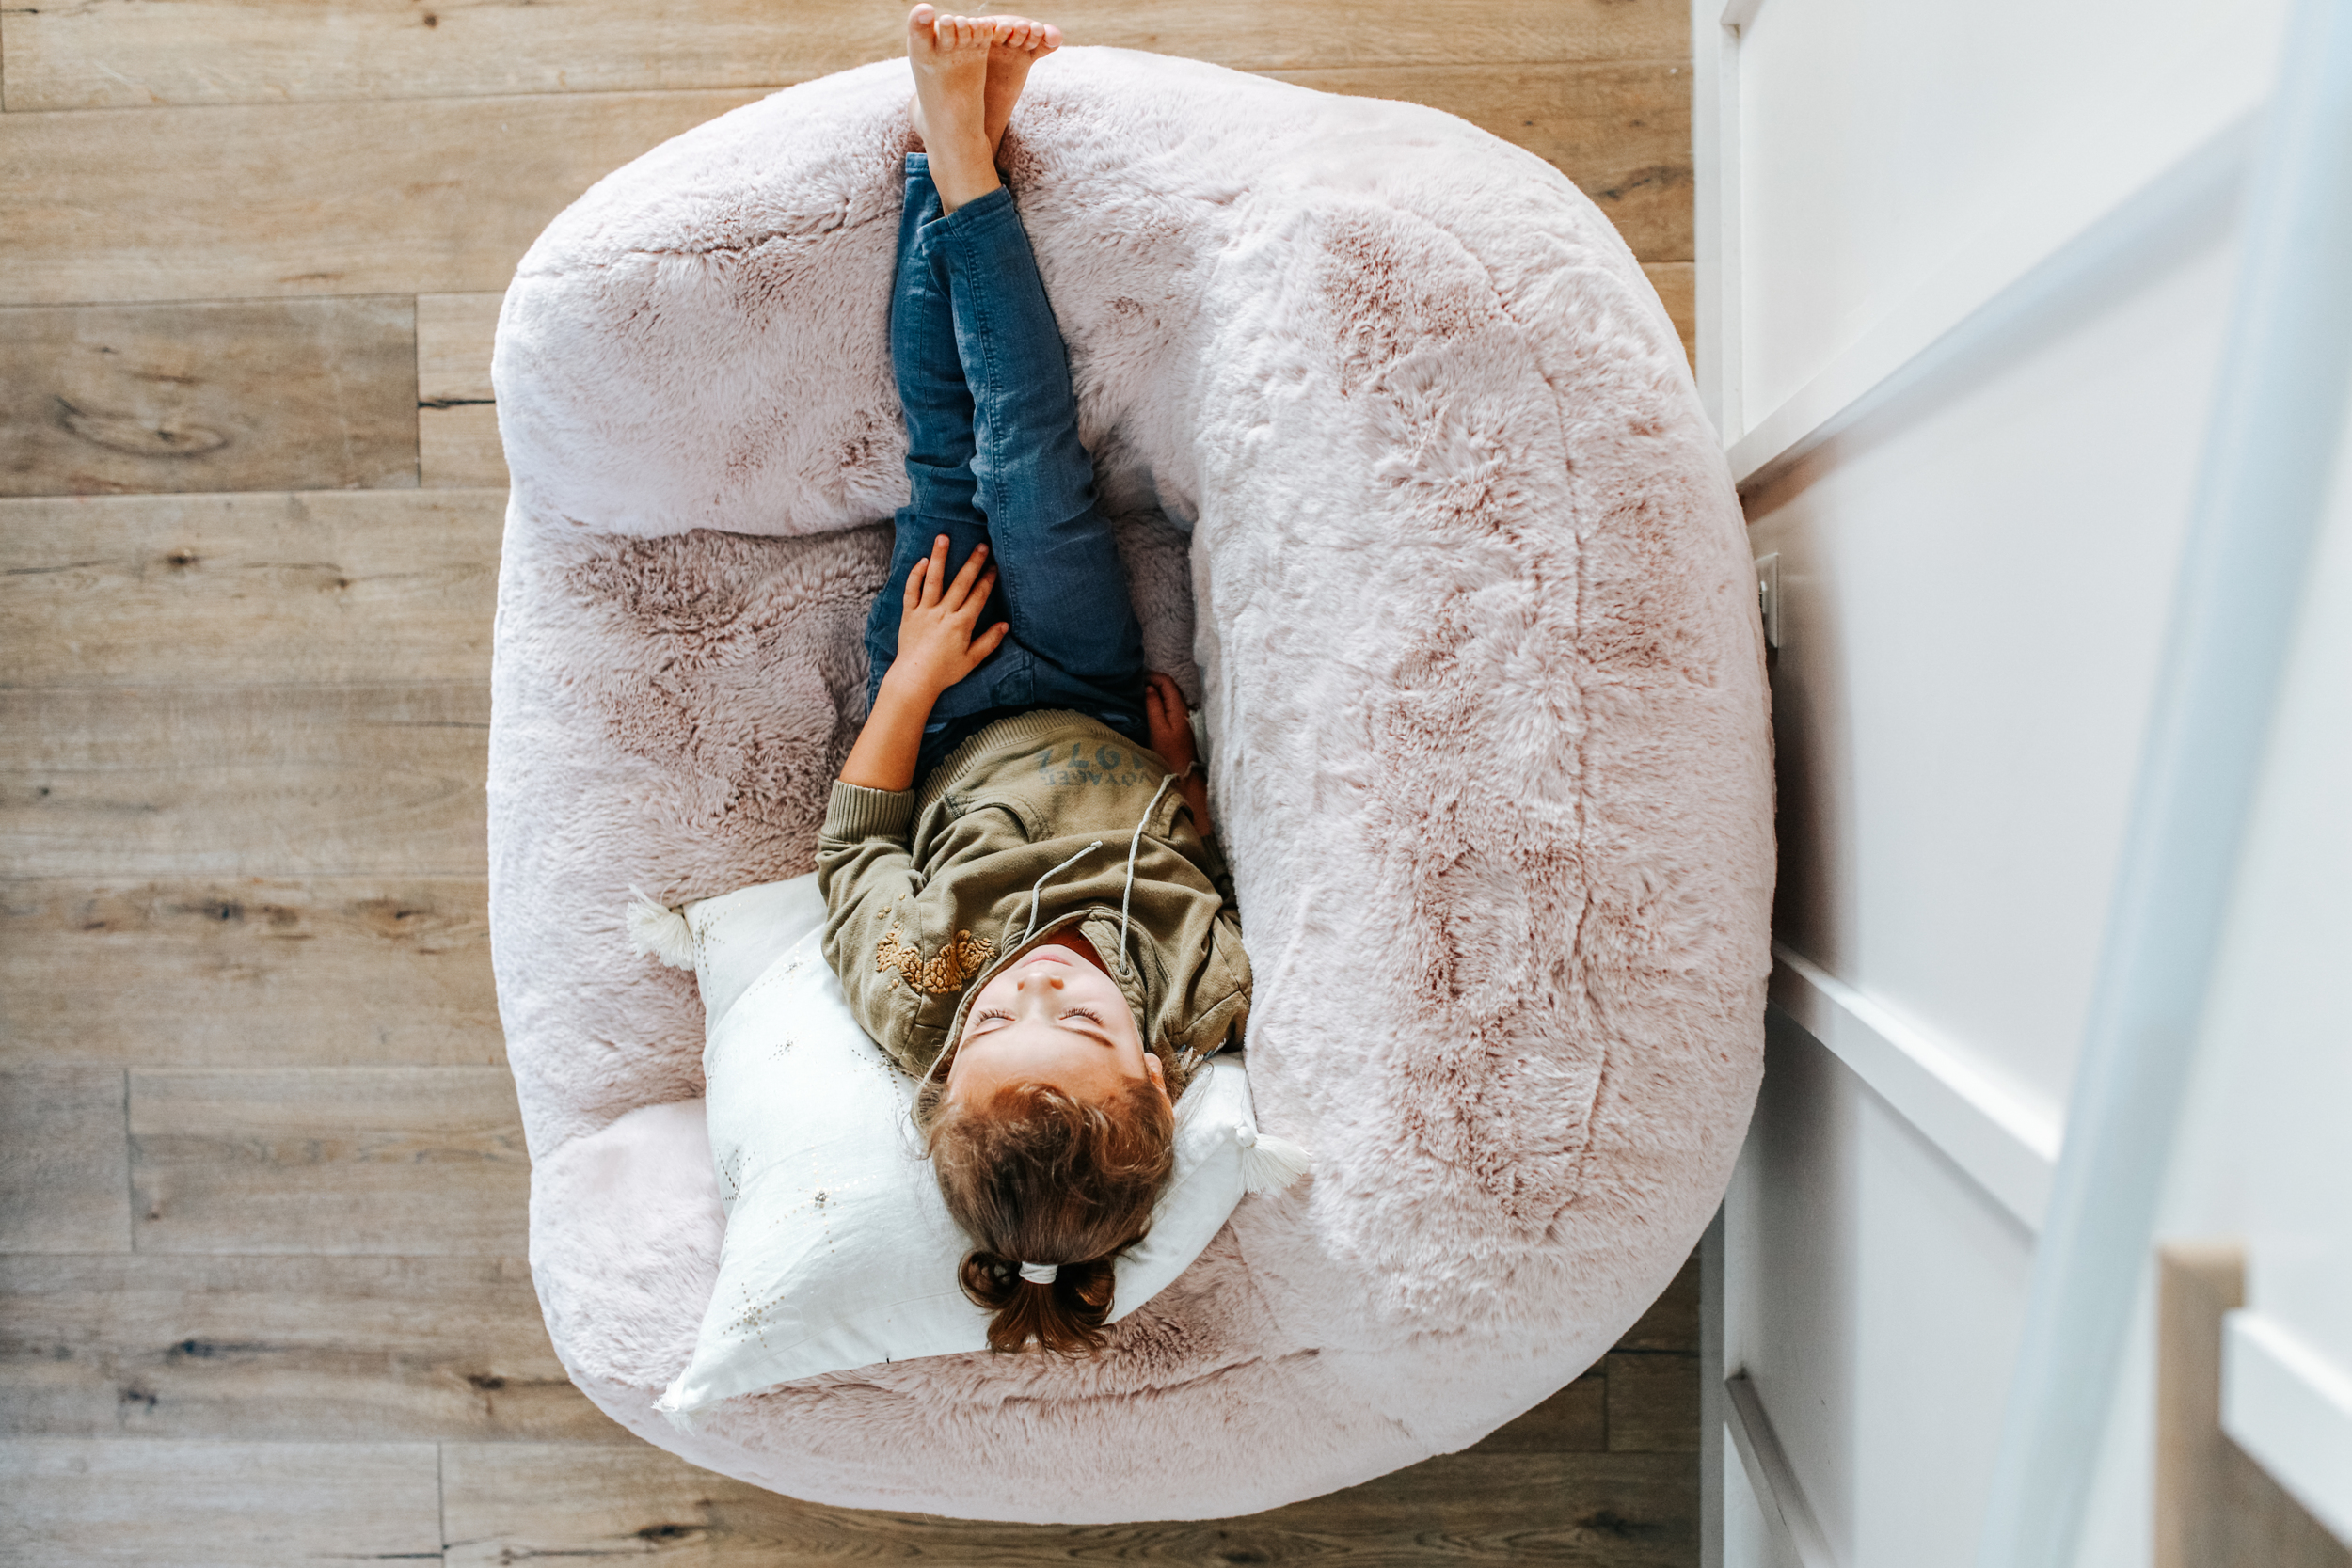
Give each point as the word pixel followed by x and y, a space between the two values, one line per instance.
pixel 306 199
pixel 417 1160
pixel 508 1502
pixel 131 54
pixel 1574 1421
pixel 310 394
pixel 64 1180
pixel 207 781
pixel 167 591
pixel 249 971
pixel 457 423
pixel 459 447
pixel 1677 287
pixel 1671 1322
pixel 455 333
pixel 244 783
pixel 444 196
pixel 65 1502
pixel 2215 1506
pixel 287 1349
pixel 1621 131
pixel 1653 1402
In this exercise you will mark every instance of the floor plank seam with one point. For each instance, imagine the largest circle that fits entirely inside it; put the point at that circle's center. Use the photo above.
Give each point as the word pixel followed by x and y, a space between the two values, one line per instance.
pixel 130 1175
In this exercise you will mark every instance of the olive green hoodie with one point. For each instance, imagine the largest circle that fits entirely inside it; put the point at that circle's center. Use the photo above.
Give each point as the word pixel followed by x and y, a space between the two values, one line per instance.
pixel 1039 821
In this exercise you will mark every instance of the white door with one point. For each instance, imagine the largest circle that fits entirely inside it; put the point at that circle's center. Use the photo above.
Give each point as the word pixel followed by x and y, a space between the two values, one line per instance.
pixel 1964 285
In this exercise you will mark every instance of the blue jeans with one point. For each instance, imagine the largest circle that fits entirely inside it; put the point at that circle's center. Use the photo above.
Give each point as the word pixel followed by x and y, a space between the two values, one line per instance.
pixel 993 457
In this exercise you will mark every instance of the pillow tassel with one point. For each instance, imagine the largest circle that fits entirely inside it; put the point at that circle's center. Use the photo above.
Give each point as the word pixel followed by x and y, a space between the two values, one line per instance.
pixel 1268 1165
pixel 686 1418
pixel 658 931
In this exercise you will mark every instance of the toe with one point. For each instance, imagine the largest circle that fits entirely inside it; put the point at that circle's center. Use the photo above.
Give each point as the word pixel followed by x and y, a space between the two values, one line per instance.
pixel 1049 36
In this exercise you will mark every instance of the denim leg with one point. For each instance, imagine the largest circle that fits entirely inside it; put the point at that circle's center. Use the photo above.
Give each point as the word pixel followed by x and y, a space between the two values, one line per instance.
pixel 938 404
pixel 1053 549
pixel 1004 468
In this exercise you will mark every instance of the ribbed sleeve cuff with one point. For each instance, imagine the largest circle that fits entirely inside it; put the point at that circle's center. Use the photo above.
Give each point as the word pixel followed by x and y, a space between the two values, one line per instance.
pixel 855 813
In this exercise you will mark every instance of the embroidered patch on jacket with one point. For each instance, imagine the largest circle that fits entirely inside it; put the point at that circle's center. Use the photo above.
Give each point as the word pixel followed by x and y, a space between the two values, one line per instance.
pixel 955 963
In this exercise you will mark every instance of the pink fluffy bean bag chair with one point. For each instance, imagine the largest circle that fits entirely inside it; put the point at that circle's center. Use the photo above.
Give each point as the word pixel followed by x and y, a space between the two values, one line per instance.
pixel 1417 501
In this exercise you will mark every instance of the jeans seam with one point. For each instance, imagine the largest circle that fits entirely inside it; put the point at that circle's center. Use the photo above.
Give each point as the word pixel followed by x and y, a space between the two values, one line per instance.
pixel 987 389
pixel 987 343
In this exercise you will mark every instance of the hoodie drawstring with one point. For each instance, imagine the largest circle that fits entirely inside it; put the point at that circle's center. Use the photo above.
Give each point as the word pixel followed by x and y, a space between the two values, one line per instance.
pixel 1133 844
pixel 1037 889
pixel 1126 897
pixel 1039 886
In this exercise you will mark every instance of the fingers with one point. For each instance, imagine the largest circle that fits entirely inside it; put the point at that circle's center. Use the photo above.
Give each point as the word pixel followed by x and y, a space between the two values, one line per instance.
pixel 963 586
pixel 1168 720
pixel 938 573
pixel 985 644
pixel 965 599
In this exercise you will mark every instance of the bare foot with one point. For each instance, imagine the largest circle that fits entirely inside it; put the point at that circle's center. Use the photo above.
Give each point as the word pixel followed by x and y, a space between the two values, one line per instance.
pixel 1019 44
pixel 949 57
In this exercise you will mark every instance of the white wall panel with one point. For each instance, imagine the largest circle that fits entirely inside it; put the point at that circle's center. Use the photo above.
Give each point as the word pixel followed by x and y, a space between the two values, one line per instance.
pixel 1962 330
pixel 1973 589
pixel 1873 1294
pixel 2281 1033
pixel 1747 1539
pixel 2266 1154
pixel 1876 140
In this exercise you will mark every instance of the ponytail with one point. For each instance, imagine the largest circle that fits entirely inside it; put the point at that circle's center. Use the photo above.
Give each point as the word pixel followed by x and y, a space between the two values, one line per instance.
pixel 1038 1176
pixel 1065 1315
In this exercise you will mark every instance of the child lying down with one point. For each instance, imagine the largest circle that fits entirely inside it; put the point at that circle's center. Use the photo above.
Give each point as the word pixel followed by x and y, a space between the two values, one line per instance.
pixel 1022 898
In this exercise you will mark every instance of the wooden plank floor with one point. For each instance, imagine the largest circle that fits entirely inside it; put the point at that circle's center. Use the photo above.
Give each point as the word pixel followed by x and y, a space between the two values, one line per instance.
pixel 261 1184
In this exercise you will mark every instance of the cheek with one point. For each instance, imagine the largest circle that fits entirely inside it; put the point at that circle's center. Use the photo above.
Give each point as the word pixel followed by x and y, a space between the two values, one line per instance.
pixel 1100 990
pixel 1114 1008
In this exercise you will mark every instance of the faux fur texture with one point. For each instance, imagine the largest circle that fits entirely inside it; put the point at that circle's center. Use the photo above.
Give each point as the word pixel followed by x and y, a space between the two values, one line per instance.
pixel 1388 407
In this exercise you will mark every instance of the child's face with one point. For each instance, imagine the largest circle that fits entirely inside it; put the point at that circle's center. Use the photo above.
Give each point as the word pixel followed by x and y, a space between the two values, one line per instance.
pixel 1055 1018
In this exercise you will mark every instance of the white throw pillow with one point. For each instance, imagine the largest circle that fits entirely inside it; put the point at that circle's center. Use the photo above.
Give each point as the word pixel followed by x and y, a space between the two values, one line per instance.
pixel 839 1251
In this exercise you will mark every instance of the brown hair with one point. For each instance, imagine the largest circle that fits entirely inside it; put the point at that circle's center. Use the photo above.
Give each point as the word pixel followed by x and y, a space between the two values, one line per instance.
pixel 1036 1176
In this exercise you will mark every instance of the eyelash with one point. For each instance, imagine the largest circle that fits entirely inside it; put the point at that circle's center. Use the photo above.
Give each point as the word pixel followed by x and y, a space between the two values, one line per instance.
pixel 1086 1013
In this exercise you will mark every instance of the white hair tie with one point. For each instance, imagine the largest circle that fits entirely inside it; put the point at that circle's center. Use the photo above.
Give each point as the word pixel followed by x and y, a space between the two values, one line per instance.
pixel 1040 1274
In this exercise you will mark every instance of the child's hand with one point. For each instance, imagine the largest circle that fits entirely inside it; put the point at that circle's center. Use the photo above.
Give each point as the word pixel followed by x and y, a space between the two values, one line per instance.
pixel 1165 721
pixel 1170 728
pixel 936 647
